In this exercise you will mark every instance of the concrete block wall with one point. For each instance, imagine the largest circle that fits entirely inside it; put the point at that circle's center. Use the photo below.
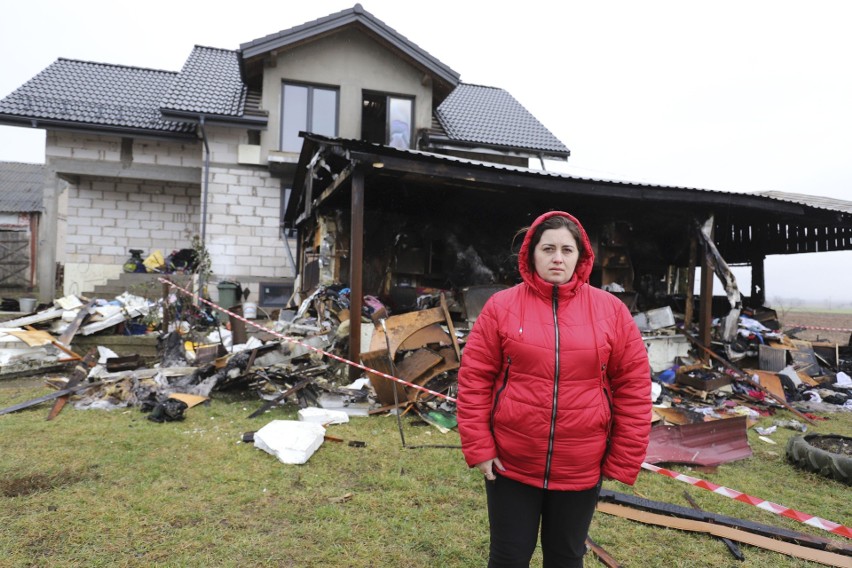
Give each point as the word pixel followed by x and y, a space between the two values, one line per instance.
pixel 108 217
pixel 243 224
pixel 61 144
pixel 243 216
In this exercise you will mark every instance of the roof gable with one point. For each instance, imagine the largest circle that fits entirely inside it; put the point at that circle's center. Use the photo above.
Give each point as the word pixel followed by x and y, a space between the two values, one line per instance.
pixel 492 117
pixel 21 187
pixel 209 82
pixel 356 16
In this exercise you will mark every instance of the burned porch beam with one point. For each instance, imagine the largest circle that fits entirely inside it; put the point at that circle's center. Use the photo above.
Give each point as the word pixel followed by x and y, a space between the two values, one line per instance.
pixel 356 255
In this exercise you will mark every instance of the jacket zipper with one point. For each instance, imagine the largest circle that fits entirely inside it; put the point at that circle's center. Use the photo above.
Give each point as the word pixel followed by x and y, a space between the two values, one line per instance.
pixel 555 305
pixel 609 424
pixel 500 391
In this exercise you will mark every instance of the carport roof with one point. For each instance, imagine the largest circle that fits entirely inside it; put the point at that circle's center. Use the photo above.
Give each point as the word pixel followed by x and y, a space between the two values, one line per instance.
pixel 21 187
pixel 748 225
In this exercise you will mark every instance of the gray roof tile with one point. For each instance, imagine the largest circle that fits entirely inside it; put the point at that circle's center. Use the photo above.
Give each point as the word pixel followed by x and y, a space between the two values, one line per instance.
pixel 209 83
pixel 491 116
pixel 21 187
pixel 95 93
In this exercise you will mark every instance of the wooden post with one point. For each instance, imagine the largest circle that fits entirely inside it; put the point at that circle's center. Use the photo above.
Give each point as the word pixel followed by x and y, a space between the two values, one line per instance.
pixel 689 309
pixel 758 282
pixel 356 260
pixel 164 327
pixel 705 306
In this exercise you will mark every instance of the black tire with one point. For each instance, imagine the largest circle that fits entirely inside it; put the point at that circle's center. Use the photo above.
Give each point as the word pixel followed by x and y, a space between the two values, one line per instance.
pixel 836 466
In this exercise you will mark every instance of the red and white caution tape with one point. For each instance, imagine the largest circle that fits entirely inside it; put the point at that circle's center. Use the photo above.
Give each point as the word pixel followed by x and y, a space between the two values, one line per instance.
pixel 817 522
pixel 305 345
pixel 820 328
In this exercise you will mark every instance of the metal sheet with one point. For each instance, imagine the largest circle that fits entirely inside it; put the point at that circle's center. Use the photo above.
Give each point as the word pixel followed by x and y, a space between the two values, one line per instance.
pixel 704 443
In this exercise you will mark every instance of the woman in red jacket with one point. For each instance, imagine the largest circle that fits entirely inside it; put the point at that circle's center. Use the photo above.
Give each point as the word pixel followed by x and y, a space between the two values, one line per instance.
pixel 554 396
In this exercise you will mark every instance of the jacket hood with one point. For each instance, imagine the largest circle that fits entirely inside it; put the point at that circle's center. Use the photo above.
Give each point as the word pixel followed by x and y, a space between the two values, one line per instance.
pixel 581 272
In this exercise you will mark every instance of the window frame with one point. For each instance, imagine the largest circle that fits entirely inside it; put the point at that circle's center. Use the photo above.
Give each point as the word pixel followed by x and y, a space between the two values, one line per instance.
pixel 311 87
pixel 388 97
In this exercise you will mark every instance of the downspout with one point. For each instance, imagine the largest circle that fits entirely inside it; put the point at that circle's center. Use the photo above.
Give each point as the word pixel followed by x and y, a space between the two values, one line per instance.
pixel 33 247
pixel 202 285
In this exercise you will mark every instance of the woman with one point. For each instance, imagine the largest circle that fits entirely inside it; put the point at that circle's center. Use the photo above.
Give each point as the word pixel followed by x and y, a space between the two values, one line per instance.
pixel 554 395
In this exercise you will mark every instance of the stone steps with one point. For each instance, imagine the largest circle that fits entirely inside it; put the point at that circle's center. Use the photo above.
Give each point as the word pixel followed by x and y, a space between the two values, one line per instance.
pixel 145 284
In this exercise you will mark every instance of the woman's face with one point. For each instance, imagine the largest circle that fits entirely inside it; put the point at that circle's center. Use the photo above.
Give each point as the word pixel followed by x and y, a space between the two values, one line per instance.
pixel 556 255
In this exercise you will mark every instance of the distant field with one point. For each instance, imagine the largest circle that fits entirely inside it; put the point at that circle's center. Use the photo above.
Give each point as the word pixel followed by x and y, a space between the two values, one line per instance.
pixel 832 320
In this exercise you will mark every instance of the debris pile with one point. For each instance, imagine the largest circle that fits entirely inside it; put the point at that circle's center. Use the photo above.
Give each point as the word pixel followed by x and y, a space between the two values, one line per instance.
pixel 409 360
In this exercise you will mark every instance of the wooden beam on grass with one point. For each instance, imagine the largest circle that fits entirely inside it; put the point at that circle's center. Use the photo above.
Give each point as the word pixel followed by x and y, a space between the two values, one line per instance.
pixel 788 548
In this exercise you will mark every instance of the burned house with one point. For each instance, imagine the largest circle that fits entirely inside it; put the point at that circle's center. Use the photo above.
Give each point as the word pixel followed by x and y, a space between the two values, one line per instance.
pixel 337 152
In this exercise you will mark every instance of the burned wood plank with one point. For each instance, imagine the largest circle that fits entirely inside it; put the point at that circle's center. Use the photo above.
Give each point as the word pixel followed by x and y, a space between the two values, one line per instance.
pixel 81 371
pixel 768 543
pixel 48 397
pixel 804 358
pixel 71 330
pixel 602 554
pixel 270 403
pixel 670 509
pixel 128 363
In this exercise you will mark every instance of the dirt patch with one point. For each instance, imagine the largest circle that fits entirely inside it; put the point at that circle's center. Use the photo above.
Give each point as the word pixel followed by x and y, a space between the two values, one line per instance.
pixel 18 486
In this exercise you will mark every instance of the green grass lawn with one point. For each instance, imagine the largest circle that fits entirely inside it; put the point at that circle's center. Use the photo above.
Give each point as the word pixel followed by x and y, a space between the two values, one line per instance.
pixel 111 488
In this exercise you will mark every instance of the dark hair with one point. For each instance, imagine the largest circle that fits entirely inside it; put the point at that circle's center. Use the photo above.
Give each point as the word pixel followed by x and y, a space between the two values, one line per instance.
pixel 555 222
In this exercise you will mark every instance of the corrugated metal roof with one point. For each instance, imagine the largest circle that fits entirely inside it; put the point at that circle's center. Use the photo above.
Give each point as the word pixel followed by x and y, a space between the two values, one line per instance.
pixel 96 94
pixel 209 83
pixel 809 200
pixel 493 117
pixel 741 198
pixel 21 187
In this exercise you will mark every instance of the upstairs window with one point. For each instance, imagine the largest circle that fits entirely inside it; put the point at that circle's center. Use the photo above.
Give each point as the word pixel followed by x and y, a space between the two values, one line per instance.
pixel 387 119
pixel 306 108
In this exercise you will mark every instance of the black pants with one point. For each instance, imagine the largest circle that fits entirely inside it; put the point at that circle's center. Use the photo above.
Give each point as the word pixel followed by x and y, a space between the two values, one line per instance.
pixel 514 513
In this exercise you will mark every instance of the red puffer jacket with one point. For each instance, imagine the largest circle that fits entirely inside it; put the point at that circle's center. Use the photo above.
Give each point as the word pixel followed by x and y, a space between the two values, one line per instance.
pixel 558 417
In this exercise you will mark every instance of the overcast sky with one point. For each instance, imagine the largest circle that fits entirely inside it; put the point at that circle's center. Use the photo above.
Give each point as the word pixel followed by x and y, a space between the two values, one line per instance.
pixel 725 95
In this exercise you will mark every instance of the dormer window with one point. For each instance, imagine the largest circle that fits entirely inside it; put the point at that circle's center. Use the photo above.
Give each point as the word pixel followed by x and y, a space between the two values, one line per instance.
pixel 309 108
pixel 387 119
